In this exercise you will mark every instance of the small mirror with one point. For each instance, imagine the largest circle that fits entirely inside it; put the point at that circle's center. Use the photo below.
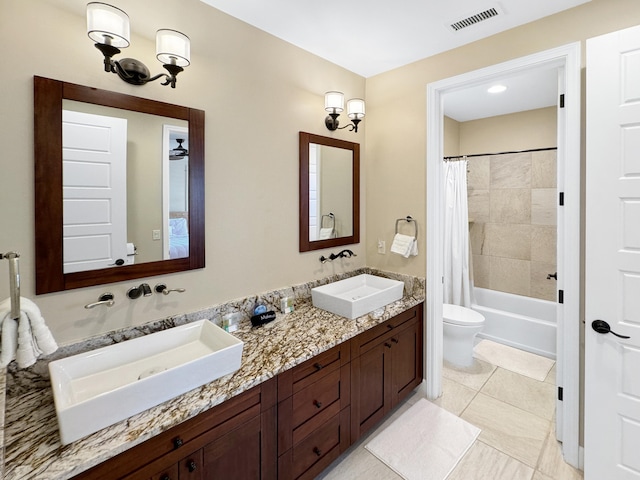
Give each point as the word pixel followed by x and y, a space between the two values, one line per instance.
pixel 119 186
pixel 329 192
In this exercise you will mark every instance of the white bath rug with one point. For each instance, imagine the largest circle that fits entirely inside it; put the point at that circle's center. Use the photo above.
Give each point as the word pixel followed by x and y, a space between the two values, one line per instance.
pixel 425 443
pixel 509 358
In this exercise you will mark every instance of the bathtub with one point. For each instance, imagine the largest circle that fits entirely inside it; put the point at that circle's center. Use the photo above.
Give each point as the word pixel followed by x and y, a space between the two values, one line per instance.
pixel 521 322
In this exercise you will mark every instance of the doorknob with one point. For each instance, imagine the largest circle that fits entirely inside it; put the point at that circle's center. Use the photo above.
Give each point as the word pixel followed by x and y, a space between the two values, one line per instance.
pixel 601 326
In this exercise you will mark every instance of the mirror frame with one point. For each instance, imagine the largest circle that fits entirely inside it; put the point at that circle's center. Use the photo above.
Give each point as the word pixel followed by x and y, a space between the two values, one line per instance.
pixel 48 97
pixel 305 244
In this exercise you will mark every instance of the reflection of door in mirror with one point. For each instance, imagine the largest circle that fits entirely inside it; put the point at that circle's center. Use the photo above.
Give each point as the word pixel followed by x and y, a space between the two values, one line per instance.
pixel 330 192
pixel 175 196
pixel 94 182
pixel 143 197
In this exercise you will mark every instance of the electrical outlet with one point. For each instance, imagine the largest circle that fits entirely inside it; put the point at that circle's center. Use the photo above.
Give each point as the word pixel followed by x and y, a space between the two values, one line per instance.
pixel 155 234
pixel 382 247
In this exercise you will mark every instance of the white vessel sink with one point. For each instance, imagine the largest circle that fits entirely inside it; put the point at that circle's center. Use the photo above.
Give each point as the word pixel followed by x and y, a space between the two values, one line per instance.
pixel 357 296
pixel 96 389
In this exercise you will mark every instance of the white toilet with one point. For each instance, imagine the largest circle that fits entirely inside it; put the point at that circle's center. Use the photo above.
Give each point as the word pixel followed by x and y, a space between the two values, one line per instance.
pixel 460 327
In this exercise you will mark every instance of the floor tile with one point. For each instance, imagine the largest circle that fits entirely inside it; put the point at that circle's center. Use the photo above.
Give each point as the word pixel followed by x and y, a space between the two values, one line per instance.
pixel 483 462
pixel 523 392
pixel 551 377
pixel 540 476
pixel 507 428
pixel 519 361
pixel 473 377
pixel 552 464
pixel 455 396
pixel 358 464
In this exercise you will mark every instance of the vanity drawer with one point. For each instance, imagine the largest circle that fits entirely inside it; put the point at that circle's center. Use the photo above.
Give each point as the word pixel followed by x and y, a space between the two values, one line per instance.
pixel 312 455
pixel 313 399
pixel 371 337
pixel 312 370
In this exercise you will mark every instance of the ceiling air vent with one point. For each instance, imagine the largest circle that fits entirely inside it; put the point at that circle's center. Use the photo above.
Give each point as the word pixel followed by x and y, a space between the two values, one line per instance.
pixel 474 19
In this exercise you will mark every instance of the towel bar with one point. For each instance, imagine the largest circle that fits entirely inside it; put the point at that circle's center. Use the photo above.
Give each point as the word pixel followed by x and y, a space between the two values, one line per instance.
pixel 407 219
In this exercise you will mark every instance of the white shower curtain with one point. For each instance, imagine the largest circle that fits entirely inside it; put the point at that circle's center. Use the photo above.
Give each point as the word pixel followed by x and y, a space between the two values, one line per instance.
pixel 458 289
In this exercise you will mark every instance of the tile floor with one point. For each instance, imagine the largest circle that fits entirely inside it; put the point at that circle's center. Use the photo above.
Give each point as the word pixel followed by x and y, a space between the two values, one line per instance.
pixel 515 412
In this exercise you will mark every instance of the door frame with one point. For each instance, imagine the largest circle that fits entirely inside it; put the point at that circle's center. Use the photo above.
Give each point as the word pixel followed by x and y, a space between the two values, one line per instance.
pixel 567 59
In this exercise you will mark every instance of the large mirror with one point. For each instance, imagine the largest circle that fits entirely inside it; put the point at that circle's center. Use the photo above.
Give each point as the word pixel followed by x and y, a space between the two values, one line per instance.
pixel 329 192
pixel 119 186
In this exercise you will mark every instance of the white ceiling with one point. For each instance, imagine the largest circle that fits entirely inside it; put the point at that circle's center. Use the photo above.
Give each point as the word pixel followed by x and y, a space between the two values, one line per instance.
pixel 369 37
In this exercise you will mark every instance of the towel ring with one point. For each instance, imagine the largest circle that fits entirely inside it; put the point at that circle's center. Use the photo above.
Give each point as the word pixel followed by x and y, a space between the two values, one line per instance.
pixel 407 219
pixel 331 217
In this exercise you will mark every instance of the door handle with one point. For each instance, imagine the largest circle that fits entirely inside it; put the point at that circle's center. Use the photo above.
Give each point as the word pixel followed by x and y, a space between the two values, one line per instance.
pixel 601 326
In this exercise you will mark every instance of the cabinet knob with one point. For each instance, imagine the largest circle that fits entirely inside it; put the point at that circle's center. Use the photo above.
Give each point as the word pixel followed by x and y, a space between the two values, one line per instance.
pixel 317 451
pixel 318 366
pixel 192 466
pixel 165 477
pixel 388 345
pixel 317 404
pixel 394 340
pixel 390 327
pixel 177 442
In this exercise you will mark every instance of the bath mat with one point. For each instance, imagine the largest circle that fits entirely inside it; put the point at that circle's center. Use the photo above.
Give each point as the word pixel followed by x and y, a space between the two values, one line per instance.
pixel 425 443
pixel 518 361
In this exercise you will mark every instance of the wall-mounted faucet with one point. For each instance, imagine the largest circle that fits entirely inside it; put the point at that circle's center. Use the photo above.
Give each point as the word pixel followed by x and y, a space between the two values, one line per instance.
pixel 137 292
pixel 333 256
pixel 104 299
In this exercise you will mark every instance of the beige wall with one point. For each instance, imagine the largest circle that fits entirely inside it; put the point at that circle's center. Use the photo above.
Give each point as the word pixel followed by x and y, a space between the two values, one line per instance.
pixel 397 111
pixel 257 92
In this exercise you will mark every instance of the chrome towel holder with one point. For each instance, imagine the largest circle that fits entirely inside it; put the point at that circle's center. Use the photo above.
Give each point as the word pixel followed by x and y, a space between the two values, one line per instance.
pixel 407 219
pixel 14 282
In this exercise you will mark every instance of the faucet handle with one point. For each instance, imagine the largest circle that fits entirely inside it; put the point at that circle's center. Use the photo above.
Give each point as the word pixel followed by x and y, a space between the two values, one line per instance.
pixel 162 288
pixel 104 299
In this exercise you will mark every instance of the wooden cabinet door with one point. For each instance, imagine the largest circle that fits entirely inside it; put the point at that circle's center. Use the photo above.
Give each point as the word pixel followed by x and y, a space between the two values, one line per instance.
pixel 406 349
pixel 236 455
pixel 370 393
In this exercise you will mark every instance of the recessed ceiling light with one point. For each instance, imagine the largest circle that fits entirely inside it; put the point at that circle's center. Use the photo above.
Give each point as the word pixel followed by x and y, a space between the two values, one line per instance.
pixel 497 89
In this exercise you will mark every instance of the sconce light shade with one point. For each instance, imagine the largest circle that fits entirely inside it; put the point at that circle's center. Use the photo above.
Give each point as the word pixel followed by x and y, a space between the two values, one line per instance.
pixel 355 108
pixel 107 25
pixel 334 102
pixel 173 48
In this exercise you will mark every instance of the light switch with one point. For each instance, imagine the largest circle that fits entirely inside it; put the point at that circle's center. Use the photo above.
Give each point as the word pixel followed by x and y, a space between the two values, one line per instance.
pixel 382 247
pixel 156 234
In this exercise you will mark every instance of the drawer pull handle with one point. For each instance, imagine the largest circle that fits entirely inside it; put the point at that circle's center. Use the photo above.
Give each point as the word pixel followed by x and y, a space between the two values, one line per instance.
pixel 390 327
pixel 394 340
pixel 318 366
pixel 192 466
pixel 177 442
pixel 317 404
pixel 388 345
pixel 317 451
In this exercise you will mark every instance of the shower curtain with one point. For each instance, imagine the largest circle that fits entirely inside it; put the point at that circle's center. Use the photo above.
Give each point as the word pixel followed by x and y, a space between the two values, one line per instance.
pixel 458 288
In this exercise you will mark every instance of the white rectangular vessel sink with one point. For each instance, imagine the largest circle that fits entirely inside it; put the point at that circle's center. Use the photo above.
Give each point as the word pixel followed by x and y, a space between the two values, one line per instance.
pixel 357 296
pixel 96 389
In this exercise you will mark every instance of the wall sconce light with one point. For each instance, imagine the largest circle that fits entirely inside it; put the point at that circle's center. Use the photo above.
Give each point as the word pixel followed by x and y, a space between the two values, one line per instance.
pixel 334 104
pixel 108 26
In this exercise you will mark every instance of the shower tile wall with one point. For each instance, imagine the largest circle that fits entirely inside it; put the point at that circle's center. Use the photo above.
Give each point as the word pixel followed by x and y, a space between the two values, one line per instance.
pixel 512 222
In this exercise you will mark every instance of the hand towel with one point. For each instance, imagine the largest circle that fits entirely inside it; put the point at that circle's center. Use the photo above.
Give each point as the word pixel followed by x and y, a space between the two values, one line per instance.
pixel 404 245
pixel 9 341
pixel 326 233
pixel 25 339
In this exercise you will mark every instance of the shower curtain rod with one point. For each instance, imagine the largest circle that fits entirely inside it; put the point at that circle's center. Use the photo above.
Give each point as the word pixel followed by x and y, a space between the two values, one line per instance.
pixel 461 157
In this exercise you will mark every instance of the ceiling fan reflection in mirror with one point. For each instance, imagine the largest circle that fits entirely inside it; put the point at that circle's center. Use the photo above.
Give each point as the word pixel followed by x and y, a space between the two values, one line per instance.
pixel 179 152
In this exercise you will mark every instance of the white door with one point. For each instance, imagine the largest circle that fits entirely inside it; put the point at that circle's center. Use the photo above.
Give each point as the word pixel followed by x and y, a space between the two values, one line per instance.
pixel 94 184
pixel 612 275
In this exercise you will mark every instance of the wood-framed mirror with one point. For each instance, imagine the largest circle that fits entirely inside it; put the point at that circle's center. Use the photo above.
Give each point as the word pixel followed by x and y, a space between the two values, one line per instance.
pixel 329 192
pixel 55 253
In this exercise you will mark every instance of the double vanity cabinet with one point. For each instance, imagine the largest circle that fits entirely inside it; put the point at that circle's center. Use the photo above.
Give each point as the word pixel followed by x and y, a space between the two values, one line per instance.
pixel 292 425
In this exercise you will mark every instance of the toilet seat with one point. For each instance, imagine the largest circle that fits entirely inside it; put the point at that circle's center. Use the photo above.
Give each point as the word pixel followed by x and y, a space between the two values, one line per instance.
pixel 458 315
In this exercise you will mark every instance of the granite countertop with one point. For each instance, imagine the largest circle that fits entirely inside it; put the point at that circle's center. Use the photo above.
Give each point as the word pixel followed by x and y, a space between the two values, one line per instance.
pixel 31 440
